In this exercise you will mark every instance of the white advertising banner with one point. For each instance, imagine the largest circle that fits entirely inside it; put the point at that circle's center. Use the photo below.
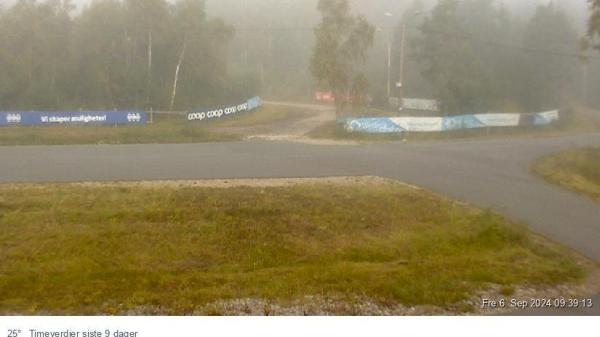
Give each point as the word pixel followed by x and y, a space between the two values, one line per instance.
pixel 547 117
pixel 449 123
pixel 420 104
pixel 499 119
pixel 419 124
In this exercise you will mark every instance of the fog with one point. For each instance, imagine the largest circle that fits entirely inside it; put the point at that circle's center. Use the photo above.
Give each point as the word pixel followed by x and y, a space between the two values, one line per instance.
pixel 577 8
pixel 264 47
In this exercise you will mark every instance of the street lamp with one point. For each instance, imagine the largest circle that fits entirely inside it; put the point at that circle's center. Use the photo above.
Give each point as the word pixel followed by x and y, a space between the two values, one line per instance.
pixel 400 84
pixel 389 60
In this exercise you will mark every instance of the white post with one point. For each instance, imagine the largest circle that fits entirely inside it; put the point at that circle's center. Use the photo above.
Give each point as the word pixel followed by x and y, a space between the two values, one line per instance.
pixel 389 70
pixel 176 79
pixel 402 51
pixel 584 82
pixel 149 83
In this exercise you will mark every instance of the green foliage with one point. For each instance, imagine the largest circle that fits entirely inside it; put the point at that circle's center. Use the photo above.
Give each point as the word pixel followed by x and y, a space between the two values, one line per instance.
pixel 342 42
pixel 33 57
pixel 545 80
pixel 594 24
pixel 478 58
pixel 54 58
pixel 449 61
pixel 204 67
pixel 115 54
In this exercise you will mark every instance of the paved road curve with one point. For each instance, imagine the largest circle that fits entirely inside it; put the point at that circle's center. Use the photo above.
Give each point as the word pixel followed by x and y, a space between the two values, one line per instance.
pixel 492 174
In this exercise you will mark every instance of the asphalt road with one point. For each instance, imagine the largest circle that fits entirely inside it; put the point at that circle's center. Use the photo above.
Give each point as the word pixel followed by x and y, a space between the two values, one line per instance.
pixel 492 173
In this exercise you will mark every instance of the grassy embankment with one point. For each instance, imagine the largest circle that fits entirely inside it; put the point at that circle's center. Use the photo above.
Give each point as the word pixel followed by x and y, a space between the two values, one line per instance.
pixel 578 170
pixel 572 120
pixel 89 249
pixel 165 129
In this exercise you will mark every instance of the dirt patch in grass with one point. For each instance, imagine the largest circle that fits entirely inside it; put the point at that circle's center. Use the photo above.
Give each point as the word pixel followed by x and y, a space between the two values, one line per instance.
pixel 578 170
pixel 187 247
pixel 266 115
pixel 231 183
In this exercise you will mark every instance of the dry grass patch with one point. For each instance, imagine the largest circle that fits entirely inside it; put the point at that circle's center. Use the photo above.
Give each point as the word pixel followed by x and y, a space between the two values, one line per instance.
pixel 578 170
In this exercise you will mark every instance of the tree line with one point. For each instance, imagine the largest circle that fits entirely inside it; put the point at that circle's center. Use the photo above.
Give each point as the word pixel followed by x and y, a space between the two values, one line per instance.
pixel 594 23
pixel 113 55
pixel 472 55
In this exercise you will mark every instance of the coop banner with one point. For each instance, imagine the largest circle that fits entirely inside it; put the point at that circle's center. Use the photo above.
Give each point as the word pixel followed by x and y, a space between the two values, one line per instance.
pixel 438 124
pixel 225 111
pixel 71 117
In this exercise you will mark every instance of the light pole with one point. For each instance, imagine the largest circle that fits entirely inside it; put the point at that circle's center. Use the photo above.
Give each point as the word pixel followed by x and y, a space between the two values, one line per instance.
pixel 402 51
pixel 583 57
pixel 584 82
pixel 389 60
pixel 403 58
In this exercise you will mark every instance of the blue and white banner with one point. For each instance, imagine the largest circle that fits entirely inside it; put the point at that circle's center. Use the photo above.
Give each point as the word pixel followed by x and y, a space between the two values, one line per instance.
pixel 480 121
pixel 225 111
pixel 545 118
pixel 14 118
pixel 419 124
pixel 372 125
pixel 438 124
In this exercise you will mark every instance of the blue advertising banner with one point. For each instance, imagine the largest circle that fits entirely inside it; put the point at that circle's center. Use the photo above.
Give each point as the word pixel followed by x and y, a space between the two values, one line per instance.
pixel 439 124
pixel 373 125
pixel 225 110
pixel 481 121
pixel 545 118
pixel 15 118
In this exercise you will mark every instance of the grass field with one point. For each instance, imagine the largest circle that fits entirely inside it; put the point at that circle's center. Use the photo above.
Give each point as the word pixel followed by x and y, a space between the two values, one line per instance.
pixel 165 129
pixel 578 170
pixel 92 249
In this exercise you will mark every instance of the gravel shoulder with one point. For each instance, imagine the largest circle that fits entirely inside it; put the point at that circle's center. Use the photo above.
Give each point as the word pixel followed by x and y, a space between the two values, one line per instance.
pixel 297 130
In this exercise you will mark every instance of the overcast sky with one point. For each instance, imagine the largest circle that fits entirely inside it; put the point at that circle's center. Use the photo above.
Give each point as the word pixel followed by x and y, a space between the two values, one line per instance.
pixel 79 2
pixel 582 2
pixel 580 6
